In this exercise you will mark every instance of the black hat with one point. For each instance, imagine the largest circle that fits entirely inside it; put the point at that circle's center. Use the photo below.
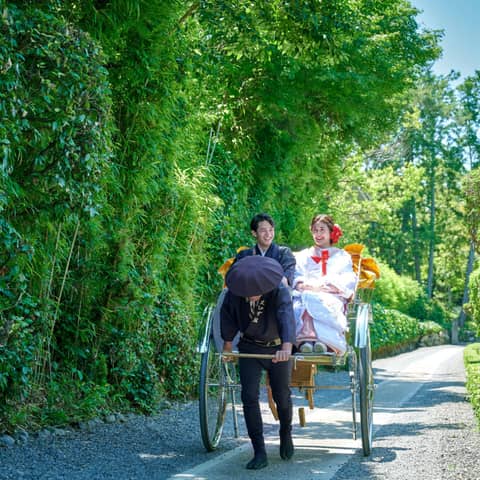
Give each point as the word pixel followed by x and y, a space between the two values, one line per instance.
pixel 254 275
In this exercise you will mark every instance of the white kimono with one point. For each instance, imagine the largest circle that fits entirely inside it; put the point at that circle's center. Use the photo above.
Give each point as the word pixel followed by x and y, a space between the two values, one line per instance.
pixel 327 309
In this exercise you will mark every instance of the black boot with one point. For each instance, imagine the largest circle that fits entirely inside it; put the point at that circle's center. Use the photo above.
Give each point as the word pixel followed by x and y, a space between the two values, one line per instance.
pixel 286 442
pixel 258 461
pixel 253 420
pixel 286 445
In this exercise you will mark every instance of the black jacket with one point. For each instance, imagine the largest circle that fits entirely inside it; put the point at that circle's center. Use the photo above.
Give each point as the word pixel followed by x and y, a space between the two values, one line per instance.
pixel 277 319
pixel 282 254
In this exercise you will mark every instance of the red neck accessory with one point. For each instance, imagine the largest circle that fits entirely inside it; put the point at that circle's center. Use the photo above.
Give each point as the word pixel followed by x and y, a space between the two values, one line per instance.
pixel 323 258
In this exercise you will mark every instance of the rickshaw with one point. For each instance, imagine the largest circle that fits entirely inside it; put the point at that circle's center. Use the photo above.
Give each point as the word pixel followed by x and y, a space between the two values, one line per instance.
pixel 218 383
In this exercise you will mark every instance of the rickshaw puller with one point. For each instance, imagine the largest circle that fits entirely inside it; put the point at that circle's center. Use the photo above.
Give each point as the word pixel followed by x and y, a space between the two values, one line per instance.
pixel 259 306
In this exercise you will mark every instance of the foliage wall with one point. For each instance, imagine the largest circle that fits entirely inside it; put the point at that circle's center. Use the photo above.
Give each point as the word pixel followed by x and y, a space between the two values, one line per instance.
pixel 471 358
pixel 474 303
pixel 57 169
pixel 138 138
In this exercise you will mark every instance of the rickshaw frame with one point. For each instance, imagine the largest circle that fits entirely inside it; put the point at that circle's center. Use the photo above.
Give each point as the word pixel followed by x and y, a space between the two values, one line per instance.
pixel 218 384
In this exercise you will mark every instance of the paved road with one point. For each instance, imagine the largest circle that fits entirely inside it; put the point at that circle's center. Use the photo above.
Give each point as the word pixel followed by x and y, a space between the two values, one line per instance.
pixel 420 417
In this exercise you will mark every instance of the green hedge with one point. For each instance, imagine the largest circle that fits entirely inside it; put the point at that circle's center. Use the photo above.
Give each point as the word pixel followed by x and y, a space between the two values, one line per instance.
pixel 473 306
pixel 430 327
pixel 471 356
pixel 396 291
pixel 407 296
pixel 392 330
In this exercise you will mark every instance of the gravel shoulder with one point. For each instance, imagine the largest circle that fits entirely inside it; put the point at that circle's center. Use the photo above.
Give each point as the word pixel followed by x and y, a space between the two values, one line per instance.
pixel 137 447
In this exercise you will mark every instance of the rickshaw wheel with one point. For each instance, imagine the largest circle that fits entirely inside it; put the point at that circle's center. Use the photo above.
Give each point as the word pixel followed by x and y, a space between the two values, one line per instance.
pixel 366 384
pixel 212 396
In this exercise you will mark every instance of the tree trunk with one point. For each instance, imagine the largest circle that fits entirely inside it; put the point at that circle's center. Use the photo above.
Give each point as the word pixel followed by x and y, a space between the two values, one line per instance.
pixel 471 259
pixel 416 252
pixel 431 242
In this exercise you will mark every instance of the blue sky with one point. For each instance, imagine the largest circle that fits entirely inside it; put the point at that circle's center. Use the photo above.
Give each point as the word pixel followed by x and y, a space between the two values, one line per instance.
pixel 460 19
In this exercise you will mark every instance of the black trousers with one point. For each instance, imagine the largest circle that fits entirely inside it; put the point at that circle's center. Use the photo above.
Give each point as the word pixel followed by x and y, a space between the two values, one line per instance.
pixel 250 375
